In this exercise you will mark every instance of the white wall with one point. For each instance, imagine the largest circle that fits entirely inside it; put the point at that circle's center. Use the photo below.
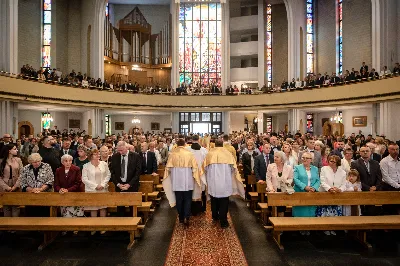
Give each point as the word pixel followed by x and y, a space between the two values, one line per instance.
pixel 237 120
pixel 248 74
pixel 156 15
pixel 347 121
pixel 145 122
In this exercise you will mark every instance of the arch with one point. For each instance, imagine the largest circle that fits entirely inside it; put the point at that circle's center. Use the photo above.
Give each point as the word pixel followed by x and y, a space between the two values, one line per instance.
pixel 23 126
pixel 89 32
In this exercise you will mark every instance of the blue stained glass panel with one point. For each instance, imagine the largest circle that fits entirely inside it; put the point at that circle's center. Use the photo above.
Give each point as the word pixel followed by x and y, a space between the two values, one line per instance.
pixel 309 8
pixel 47 5
pixel 181 29
pixel 212 12
pixel 188 12
pixel 47 17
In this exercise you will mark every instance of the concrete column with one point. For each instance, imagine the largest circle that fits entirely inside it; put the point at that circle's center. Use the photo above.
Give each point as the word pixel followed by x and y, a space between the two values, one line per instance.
pixel 175 44
pixel 296 121
pixel 9 118
pixel 296 52
pixel 175 122
pixel 260 122
pixel 226 44
pixel 385 119
pixel 98 123
pixel 226 122
pixel 376 35
pixel 97 51
pixel 9 36
pixel 261 44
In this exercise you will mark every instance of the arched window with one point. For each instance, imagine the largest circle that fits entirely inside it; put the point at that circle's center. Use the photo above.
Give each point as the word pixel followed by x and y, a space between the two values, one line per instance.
pixel 46 37
pixel 310 35
pixel 200 32
pixel 268 44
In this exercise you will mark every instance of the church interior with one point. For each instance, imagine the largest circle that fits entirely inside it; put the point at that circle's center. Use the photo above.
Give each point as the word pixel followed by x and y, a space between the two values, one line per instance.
pixel 287 95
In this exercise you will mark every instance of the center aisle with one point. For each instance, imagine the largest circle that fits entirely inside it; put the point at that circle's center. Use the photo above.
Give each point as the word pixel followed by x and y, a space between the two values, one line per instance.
pixel 205 243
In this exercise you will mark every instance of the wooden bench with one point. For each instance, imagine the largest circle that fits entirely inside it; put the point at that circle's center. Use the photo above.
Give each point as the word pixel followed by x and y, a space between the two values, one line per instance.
pixel 355 222
pixel 146 187
pixel 53 224
pixel 153 196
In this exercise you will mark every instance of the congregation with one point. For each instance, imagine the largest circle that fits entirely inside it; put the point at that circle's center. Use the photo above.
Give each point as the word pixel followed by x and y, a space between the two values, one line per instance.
pixel 292 163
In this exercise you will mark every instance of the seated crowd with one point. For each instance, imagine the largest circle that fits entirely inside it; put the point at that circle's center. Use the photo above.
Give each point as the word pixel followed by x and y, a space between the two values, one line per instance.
pixel 285 162
pixel 311 81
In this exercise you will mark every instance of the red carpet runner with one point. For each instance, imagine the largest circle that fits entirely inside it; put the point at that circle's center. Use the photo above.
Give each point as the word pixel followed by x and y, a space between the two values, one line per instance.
pixel 205 243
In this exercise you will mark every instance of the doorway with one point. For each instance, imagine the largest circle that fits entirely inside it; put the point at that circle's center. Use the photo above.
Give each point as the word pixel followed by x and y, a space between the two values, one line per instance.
pixel 25 128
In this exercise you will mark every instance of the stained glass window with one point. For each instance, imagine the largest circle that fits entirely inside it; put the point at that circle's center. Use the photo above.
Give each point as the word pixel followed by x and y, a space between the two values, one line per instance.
pixel 46 36
pixel 310 35
pixel 340 37
pixel 310 123
pixel 200 57
pixel 107 10
pixel 268 46
pixel 47 119
pixel 108 124
pixel 269 124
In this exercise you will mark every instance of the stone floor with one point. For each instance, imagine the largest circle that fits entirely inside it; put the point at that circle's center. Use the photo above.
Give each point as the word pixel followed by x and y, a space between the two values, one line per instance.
pixel 259 248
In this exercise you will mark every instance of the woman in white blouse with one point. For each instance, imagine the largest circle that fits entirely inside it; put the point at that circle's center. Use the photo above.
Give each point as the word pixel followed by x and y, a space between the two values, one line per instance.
pixel 291 157
pixel 333 180
pixel 95 176
pixel 279 176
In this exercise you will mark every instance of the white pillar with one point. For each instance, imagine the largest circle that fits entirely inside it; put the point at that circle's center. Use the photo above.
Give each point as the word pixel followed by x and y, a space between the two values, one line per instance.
pixel 175 122
pixel 376 35
pixel 226 122
pixel 97 51
pixel 295 117
pixel 98 123
pixel 9 118
pixel 296 19
pixel 261 44
pixel 385 120
pixel 175 44
pixel 226 46
pixel 260 122
pixel 9 36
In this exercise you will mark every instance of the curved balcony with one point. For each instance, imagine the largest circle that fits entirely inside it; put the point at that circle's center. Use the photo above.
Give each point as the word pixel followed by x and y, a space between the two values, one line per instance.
pixel 364 92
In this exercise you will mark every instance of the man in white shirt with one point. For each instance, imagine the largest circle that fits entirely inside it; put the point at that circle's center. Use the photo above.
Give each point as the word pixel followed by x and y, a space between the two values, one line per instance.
pixel 390 168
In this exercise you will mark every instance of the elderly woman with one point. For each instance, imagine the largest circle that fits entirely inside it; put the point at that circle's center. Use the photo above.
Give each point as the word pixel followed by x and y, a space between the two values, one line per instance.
pixel 333 180
pixel 10 169
pixel 279 176
pixel 36 177
pixel 291 158
pixel 82 158
pixel 68 179
pixel 306 179
pixel 95 176
pixel 105 155
pixel 321 147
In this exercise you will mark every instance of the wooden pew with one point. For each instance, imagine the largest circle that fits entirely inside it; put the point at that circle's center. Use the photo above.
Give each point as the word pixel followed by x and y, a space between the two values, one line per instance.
pixel 145 188
pixel 153 196
pixel 356 222
pixel 53 224
pixel 251 180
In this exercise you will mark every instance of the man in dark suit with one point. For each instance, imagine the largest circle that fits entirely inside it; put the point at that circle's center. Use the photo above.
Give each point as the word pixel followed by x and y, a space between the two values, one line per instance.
pixel 125 171
pixel 261 163
pixel 274 144
pixel 149 160
pixel 6 141
pixel 66 148
pixel 370 176
pixel 55 131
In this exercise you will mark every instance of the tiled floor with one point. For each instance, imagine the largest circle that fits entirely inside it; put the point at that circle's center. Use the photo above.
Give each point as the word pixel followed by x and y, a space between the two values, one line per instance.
pixel 109 250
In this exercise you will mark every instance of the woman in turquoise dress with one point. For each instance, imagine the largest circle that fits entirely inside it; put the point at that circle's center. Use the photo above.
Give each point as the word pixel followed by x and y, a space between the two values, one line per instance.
pixel 306 179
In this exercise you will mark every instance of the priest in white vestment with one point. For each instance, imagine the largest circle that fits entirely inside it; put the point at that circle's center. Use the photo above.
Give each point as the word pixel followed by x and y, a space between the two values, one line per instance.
pixel 181 181
pixel 223 180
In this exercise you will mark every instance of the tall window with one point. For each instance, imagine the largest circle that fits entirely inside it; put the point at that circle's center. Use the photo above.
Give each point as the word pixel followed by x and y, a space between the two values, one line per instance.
pixel 108 125
pixel 310 36
pixel 107 10
pixel 310 123
pixel 340 37
pixel 200 43
pixel 46 41
pixel 268 44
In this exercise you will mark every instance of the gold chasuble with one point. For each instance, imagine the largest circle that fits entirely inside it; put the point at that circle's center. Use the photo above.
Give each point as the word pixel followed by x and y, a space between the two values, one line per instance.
pixel 181 157
pixel 220 155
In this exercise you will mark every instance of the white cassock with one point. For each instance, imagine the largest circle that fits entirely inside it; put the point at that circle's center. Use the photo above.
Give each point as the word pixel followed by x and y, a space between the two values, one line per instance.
pixel 219 180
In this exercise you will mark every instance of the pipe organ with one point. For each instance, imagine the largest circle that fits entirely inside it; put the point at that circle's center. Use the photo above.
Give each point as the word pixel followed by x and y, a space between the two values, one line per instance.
pixel 133 44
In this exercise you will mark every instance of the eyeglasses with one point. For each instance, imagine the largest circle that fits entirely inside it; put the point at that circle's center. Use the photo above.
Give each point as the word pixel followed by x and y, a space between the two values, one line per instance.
pixel 306 158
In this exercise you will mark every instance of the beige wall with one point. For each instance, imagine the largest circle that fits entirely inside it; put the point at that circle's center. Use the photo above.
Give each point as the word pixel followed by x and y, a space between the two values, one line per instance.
pixel 325 28
pixel 279 44
pixel 29 33
pixel 357 33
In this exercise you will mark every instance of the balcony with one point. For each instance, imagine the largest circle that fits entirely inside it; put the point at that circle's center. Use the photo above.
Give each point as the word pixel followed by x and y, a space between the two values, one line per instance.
pixel 244 49
pixel 248 74
pixel 26 91
pixel 244 24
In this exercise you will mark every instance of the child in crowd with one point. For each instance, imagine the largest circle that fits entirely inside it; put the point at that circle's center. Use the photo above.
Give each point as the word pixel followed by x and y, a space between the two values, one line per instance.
pixel 352 184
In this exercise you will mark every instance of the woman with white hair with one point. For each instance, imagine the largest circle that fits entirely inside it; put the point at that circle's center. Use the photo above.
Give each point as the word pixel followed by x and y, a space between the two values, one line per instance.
pixel 279 176
pixel 36 177
pixel 68 179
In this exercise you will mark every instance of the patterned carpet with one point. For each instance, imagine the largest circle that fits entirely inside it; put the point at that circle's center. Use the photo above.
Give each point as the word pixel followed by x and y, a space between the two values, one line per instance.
pixel 205 243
